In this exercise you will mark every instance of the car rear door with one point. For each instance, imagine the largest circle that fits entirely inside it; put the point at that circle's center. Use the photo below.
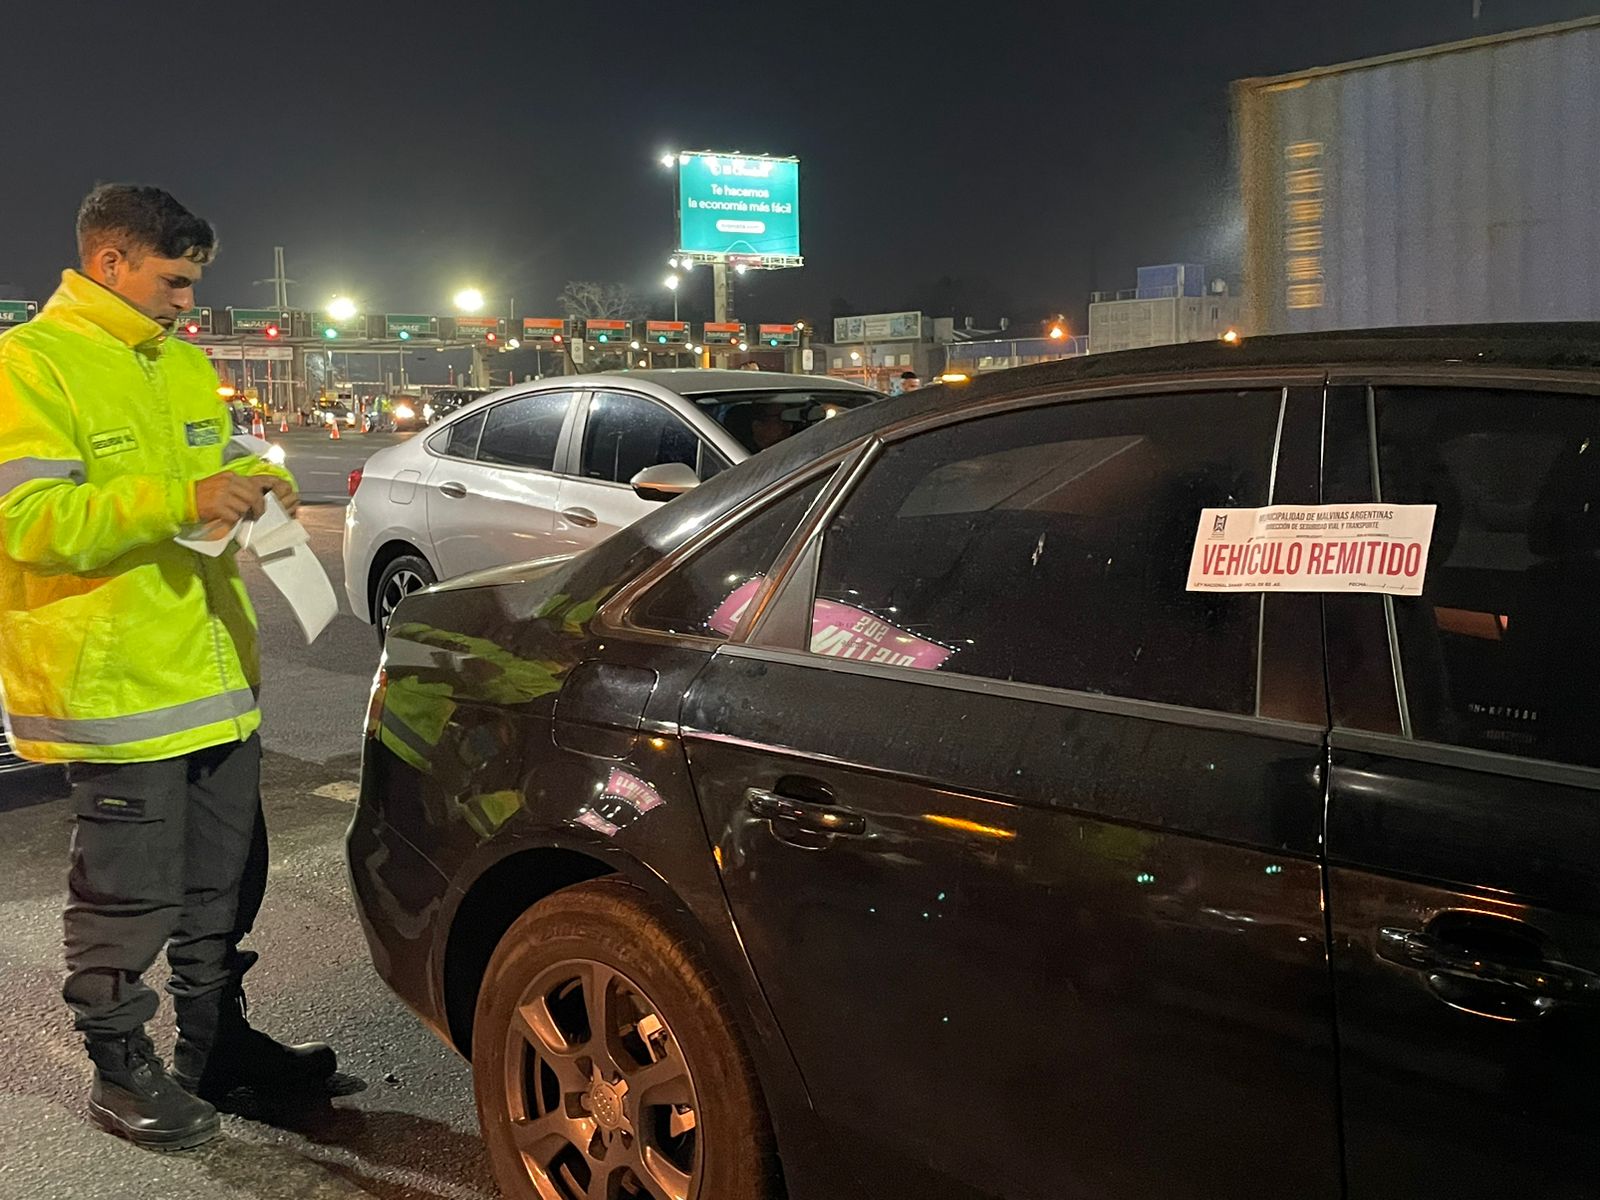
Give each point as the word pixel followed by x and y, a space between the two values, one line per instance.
pixel 1021 837
pixel 499 506
pixel 1464 809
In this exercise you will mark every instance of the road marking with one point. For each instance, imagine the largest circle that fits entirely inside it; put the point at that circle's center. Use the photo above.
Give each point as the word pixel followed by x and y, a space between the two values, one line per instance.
pixel 346 791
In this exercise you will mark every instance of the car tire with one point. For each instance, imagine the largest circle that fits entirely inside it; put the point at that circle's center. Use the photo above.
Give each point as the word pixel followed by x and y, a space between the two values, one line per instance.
pixel 404 575
pixel 549 1101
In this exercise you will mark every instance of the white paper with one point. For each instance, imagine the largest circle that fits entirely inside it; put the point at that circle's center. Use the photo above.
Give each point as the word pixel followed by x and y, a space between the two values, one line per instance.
pixel 282 546
pixel 305 585
pixel 274 530
pixel 210 539
pixel 1313 548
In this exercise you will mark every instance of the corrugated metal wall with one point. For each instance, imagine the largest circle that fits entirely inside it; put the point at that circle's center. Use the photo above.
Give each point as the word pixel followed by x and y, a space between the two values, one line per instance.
pixel 1457 186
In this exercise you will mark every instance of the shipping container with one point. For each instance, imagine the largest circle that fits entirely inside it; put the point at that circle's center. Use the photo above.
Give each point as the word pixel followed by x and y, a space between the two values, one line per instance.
pixel 1458 183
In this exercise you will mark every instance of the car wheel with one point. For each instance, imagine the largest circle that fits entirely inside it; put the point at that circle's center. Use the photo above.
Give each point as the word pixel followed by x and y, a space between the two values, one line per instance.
pixel 406 574
pixel 605 1062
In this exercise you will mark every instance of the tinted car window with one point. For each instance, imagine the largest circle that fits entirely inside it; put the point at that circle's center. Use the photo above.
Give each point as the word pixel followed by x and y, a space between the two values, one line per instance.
pixel 758 419
pixel 461 439
pixel 1499 651
pixel 626 434
pixel 706 596
pixel 524 432
pixel 1052 546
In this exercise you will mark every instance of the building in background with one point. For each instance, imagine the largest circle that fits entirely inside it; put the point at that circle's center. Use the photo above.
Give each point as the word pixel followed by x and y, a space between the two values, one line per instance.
pixel 1171 304
pixel 876 348
pixel 978 356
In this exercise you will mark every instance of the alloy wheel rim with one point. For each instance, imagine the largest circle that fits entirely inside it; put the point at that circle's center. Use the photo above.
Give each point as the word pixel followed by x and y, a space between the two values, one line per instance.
pixel 601 1102
pixel 401 584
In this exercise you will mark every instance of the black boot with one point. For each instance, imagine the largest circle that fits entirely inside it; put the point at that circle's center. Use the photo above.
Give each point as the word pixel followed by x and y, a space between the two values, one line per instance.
pixel 134 1097
pixel 218 1052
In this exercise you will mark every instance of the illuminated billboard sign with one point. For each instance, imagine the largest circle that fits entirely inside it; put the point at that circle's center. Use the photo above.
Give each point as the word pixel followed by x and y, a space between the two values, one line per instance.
pixel 739 207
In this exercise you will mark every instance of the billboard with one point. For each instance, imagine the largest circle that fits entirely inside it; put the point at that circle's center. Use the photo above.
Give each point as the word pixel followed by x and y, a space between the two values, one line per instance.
pixel 879 327
pixel 740 206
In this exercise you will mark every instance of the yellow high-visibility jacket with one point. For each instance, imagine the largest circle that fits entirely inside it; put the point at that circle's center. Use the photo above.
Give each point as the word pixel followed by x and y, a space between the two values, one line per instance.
pixel 116 643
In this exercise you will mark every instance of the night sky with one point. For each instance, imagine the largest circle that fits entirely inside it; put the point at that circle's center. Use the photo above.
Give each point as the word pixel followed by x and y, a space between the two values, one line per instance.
pixel 1024 151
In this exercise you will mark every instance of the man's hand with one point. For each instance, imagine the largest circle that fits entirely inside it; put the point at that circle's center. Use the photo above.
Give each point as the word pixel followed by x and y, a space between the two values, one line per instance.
pixel 284 491
pixel 228 497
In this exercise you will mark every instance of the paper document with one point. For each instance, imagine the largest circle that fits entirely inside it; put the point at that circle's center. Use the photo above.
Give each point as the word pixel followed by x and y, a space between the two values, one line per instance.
pixel 305 585
pixel 282 546
pixel 210 539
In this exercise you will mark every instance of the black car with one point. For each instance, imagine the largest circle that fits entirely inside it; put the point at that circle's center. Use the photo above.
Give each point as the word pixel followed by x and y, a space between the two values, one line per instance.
pixel 888 817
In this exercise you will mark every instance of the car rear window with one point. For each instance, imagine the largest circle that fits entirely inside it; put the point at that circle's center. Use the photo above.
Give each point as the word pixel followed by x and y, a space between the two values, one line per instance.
pixel 761 418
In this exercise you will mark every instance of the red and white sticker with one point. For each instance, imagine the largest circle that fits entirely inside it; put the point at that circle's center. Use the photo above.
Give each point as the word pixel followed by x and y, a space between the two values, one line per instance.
pixel 1317 548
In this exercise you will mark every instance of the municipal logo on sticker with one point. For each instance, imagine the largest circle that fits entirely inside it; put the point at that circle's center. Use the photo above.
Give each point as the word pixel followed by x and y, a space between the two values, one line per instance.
pixel 204 433
pixel 113 441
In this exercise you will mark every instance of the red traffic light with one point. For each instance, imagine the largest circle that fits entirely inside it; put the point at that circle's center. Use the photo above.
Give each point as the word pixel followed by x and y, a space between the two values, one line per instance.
pixel 491 337
pixel 192 328
pixel 271 331
pixel 558 339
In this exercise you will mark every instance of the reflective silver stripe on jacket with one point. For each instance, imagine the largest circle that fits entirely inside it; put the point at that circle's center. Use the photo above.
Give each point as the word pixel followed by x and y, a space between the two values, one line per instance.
pixel 237 448
pixel 141 727
pixel 25 470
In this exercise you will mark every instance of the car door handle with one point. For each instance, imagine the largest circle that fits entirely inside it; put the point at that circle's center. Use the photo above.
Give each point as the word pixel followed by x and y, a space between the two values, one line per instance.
pixel 456 491
pixel 1548 984
pixel 580 516
pixel 806 814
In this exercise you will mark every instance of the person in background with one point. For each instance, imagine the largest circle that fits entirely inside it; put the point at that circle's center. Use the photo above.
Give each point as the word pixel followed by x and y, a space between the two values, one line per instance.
pixel 134 660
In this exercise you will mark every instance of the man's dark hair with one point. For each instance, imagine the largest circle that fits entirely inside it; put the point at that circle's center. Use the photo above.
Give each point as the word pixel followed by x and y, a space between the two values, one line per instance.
pixel 138 218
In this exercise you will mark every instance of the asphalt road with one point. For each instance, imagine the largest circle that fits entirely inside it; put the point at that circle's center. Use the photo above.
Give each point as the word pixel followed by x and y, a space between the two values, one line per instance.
pixel 412 1133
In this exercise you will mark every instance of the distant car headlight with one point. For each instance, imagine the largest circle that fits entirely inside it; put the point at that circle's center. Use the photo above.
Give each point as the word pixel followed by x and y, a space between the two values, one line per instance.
pixel 404 412
pixel 275 454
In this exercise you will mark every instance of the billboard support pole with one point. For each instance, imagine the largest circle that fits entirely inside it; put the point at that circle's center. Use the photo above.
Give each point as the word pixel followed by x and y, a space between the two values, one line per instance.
pixel 719 301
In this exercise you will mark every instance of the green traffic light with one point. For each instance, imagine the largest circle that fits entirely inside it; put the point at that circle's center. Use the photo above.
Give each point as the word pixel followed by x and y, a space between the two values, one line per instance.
pixel 405 335
pixel 772 341
pixel 330 333
pixel 603 338
pixel 662 338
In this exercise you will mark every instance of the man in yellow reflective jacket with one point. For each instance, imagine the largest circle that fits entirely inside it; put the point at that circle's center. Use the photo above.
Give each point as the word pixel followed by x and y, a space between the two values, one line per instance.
pixel 134 659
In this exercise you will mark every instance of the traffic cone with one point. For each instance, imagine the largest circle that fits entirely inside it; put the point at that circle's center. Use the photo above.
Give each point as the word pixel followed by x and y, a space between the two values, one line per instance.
pixel 283 422
pixel 257 429
pixel 333 427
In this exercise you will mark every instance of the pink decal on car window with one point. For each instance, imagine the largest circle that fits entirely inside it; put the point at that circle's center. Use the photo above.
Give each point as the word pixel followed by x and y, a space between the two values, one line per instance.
pixel 842 631
pixel 725 617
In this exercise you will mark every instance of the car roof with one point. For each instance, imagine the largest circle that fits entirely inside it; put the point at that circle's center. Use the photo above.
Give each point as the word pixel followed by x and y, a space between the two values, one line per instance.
pixel 693 381
pixel 1554 345
pixel 1550 346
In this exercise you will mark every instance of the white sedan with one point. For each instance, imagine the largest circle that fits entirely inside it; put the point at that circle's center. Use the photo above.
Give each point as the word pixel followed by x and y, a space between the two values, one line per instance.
pixel 556 466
